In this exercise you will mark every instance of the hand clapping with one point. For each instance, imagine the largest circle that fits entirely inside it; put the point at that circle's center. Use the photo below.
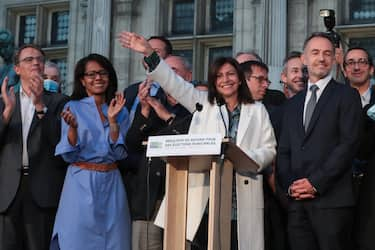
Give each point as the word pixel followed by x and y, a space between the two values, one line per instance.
pixel 115 107
pixel 9 100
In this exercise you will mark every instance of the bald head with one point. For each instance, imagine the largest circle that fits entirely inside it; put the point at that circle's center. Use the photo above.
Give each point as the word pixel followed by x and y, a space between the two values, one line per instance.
pixel 242 57
pixel 181 66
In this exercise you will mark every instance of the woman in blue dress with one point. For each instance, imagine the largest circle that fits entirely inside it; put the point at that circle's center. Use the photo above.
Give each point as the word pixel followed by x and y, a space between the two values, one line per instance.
pixel 93 210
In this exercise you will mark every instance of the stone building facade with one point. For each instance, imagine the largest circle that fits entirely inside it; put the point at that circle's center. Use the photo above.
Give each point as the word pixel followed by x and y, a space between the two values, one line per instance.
pixel 199 29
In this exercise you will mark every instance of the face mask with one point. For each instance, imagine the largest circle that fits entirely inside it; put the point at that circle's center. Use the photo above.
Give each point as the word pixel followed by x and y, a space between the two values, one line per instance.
pixel 51 85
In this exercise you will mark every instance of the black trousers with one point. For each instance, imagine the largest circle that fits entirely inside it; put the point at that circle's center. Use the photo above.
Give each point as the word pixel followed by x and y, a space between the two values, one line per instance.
pixel 313 228
pixel 26 226
pixel 201 237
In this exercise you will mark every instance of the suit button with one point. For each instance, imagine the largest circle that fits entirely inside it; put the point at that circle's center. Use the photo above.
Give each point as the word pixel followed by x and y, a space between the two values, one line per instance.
pixel 246 182
pixel 303 148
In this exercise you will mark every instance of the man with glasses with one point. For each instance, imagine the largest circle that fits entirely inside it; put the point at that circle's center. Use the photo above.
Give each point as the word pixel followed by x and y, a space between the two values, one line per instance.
pixel 31 177
pixel 256 74
pixel 358 69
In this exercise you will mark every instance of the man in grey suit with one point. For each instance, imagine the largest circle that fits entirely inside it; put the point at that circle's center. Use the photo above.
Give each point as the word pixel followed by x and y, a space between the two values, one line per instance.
pixel 319 138
pixel 31 177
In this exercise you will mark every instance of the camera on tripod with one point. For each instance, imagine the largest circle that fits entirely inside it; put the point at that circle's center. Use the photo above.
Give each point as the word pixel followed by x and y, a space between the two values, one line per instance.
pixel 330 22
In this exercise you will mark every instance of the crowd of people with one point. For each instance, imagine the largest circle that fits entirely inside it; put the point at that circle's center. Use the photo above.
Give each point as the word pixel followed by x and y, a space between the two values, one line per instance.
pixel 74 172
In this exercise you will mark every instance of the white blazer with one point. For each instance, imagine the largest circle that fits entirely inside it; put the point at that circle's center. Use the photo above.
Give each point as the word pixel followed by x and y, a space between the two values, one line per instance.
pixel 255 137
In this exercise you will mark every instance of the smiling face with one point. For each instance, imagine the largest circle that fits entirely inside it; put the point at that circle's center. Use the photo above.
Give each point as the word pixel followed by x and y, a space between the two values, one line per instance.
pixel 292 75
pixel 95 79
pixel 30 63
pixel 357 68
pixel 227 81
pixel 319 58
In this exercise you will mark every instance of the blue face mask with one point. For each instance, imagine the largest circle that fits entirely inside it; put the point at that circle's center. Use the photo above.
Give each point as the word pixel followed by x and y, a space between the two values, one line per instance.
pixel 51 85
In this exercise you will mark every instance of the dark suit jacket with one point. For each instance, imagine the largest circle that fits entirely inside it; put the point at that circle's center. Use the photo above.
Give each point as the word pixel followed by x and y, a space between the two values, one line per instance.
pixel 47 172
pixel 137 170
pixel 365 217
pixel 324 153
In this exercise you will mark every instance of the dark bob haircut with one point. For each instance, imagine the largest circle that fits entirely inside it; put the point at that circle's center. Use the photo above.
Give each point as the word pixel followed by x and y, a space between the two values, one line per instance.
pixel 79 90
pixel 244 95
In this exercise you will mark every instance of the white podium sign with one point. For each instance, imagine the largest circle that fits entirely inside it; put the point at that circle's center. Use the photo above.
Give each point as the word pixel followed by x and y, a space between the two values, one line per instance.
pixel 184 145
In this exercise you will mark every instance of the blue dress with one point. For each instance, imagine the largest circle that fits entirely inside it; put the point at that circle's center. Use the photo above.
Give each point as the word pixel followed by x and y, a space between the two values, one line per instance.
pixel 93 211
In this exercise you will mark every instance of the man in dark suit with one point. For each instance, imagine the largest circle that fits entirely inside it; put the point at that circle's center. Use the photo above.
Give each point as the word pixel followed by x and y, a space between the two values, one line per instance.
pixel 163 48
pixel 358 70
pixel 145 177
pixel 31 177
pixel 319 138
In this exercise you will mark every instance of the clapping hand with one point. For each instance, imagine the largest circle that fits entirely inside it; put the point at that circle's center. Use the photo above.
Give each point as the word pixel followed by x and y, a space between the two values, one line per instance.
pixel 69 118
pixel 159 108
pixel 36 89
pixel 115 107
pixel 9 100
pixel 143 94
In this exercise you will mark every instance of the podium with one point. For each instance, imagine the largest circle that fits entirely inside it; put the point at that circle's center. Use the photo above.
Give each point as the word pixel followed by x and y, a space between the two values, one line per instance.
pixel 220 195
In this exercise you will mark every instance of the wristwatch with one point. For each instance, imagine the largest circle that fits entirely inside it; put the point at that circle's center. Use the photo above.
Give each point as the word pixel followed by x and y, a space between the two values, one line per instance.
pixel 41 112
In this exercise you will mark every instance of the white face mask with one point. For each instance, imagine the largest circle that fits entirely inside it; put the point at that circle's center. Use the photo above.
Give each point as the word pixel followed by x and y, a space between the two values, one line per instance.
pixel 51 85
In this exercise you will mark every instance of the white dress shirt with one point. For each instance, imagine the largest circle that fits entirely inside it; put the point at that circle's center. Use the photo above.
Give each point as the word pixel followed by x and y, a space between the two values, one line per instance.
pixel 322 83
pixel 27 114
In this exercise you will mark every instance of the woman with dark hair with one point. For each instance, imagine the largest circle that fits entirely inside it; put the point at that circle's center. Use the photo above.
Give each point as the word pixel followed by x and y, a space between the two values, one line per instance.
pixel 93 211
pixel 246 122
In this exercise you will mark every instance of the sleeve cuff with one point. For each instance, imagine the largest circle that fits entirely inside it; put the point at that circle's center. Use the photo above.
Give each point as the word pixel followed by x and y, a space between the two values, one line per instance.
pixel 152 61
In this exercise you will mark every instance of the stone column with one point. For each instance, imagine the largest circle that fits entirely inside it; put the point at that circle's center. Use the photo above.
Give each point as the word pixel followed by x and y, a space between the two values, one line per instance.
pixel 101 27
pixel 276 39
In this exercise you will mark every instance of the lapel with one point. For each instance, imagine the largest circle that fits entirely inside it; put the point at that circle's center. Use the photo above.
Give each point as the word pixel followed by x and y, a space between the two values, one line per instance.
pixel 224 111
pixel 35 120
pixel 16 117
pixel 372 98
pixel 323 99
pixel 244 123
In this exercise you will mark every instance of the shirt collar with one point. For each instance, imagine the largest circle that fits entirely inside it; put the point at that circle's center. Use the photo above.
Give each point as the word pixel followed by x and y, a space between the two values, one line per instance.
pixel 366 96
pixel 322 83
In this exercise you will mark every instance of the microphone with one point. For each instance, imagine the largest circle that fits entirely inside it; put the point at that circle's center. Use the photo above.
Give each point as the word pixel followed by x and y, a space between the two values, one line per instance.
pixel 174 127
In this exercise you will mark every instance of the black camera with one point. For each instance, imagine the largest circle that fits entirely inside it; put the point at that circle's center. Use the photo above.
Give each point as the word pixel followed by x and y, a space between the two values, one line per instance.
pixel 330 22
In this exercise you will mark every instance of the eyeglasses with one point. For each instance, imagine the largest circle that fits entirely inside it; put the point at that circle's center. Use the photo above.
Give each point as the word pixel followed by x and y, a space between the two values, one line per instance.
pixel 101 73
pixel 361 63
pixel 261 79
pixel 30 59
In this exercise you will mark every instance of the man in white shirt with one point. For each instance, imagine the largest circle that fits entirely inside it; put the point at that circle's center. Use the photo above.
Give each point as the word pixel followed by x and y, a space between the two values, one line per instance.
pixel 31 177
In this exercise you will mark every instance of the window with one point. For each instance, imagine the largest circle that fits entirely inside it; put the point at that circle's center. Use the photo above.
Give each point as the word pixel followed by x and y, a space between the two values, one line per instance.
pixel 27 29
pixel 183 17
pixel 201 31
pixel 60 27
pixel 362 11
pixel 219 52
pixel 46 25
pixel 221 16
pixel 367 43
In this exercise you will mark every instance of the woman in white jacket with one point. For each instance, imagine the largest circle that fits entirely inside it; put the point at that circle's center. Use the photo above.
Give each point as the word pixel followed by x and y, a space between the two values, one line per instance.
pixel 247 122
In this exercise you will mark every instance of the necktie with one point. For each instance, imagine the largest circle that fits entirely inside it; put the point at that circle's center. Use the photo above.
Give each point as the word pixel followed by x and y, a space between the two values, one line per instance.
pixel 310 105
